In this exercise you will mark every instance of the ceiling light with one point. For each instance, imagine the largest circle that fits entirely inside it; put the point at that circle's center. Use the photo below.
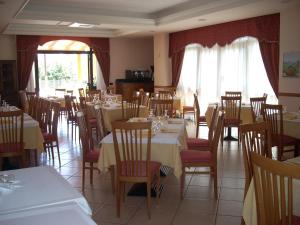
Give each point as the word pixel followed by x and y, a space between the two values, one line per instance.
pixel 81 25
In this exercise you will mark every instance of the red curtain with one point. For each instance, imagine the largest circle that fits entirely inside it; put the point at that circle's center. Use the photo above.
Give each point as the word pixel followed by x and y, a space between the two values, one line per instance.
pixel 264 28
pixel 27 48
pixel 177 60
pixel 26 52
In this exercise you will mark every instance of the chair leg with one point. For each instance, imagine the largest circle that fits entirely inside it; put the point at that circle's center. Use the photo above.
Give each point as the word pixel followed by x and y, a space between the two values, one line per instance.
pixel 118 199
pixel 58 154
pixel 91 173
pixel 149 199
pixel 215 171
pixel 157 186
pixel 182 181
pixel 197 130
pixel 112 177
pixel 83 176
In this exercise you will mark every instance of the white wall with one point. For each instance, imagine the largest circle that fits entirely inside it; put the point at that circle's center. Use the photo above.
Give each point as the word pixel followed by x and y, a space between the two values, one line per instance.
pixel 289 42
pixel 8 47
pixel 129 54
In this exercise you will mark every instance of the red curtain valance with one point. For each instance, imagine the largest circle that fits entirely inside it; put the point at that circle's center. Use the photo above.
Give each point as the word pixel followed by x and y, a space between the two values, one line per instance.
pixel 264 28
pixel 27 49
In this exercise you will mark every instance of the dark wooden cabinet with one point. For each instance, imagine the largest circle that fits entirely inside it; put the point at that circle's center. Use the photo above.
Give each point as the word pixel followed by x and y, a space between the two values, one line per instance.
pixel 127 87
pixel 8 81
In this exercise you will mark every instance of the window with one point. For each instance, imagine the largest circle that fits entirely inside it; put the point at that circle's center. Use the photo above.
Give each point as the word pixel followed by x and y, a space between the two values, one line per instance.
pixel 234 67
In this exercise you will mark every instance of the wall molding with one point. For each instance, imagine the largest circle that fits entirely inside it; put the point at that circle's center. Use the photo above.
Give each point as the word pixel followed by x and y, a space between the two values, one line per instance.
pixel 289 94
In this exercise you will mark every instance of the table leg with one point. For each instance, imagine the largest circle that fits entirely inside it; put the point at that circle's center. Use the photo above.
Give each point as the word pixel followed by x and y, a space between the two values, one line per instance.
pixel 229 137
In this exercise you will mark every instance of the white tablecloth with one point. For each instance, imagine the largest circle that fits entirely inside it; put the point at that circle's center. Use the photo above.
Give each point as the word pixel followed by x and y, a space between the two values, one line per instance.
pixel 165 147
pixel 38 187
pixel 68 213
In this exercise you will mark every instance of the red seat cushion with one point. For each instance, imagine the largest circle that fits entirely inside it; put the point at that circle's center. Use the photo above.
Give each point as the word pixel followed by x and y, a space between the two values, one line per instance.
pixel 202 119
pixel 296 220
pixel 141 171
pixel 286 140
pixel 48 137
pixel 6 148
pixel 92 155
pixel 194 156
pixel 197 143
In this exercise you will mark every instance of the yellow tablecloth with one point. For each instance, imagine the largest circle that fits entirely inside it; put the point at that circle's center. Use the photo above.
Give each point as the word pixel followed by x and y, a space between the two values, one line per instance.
pixel 249 210
pixel 246 115
pixel 165 148
pixel 32 135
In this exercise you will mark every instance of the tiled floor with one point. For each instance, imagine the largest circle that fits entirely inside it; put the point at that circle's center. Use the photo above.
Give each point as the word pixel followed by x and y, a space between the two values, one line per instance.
pixel 198 207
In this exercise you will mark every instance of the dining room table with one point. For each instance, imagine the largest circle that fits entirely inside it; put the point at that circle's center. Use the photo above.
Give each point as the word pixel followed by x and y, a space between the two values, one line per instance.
pixel 32 134
pixel 59 214
pixel 249 208
pixel 36 187
pixel 112 111
pixel 166 143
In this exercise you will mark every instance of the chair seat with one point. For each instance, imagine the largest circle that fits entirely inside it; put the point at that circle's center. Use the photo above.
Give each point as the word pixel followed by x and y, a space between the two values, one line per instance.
pixel 296 220
pixel 194 156
pixel 197 143
pixel 141 172
pixel 231 122
pixel 6 148
pixel 286 140
pixel 93 122
pixel 48 137
pixel 92 155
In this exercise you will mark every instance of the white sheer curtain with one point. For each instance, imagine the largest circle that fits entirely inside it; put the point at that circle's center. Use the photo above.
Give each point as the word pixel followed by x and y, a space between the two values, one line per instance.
pixel 99 81
pixel 31 82
pixel 234 67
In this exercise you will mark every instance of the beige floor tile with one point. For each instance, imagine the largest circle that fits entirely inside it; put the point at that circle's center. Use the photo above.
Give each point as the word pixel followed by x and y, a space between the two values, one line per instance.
pixel 228 220
pixel 233 182
pixel 232 194
pixel 200 192
pixel 198 206
pixel 194 218
pixel 230 208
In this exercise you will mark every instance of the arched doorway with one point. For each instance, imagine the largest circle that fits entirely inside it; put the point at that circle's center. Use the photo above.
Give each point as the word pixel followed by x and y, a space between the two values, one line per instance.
pixel 65 64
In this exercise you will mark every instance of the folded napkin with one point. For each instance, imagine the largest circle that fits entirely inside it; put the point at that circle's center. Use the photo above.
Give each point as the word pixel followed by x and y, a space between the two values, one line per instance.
pixel 289 116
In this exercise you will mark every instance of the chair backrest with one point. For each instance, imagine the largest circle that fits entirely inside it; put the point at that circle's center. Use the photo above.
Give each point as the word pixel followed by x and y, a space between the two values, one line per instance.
pixel 170 89
pixel 11 135
pixel 255 138
pixel 81 92
pixel 273 116
pixel 45 114
pixel 197 107
pixel 145 99
pixel 69 92
pixel 132 144
pixel 216 136
pixel 84 134
pixel 165 95
pixel 256 107
pixel 24 101
pixel 71 106
pixel 160 106
pixel 33 106
pixel 131 108
pixel 55 111
pixel 233 93
pixel 93 93
pixel 213 123
pixel 100 122
pixel 82 103
pixel 273 182
pixel 232 107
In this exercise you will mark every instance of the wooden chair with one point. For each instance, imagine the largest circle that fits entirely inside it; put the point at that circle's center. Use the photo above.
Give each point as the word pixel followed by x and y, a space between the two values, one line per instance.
pixel 133 158
pixel 24 101
pixel 166 95
pixel 82 103
pixel 69 92
pixel 145 99
pixel 161 106
pixel 91 93
pixel 11 135
pixel 50 135
pixel 71 108
pixel 273 116
pixel 200 120
pixel 194 158
pixel 81 92
pixel 90 155
pixel 102 131
pixel 256 107
pixel 255 137
pixel 233 93
pixel 232 108
pixel 131 108
pixel 60 92
pixel 200 143
pixel 273 182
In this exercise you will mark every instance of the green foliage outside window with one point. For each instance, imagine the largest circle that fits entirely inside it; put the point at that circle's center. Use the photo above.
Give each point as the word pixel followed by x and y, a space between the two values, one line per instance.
pixel 56 72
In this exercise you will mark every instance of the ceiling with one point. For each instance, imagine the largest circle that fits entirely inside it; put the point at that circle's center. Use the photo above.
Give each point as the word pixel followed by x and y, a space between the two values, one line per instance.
pixel 130 18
